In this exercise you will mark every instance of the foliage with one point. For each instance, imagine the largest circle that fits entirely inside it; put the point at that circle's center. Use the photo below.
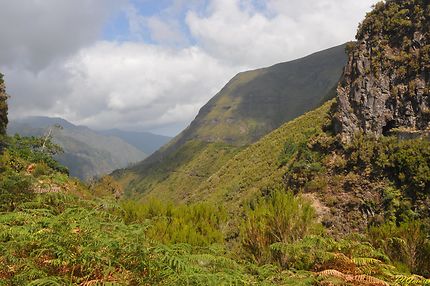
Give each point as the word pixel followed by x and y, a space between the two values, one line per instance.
pixel 21 164
pixel 391 30
pixel 3 109
pixel 197 224
pixel 408 243
pixel 406 162
pixel 29 150
pixel 57 239
pixel 278 218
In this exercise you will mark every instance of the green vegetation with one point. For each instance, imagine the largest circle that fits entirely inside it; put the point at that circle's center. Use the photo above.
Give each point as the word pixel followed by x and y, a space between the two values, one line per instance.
pixel 26 168
pixel 54 231
pixel 86 153
pixel 177 176
pixel 396 32
pixel 278 218
pixel 251 105
pixel 261 166
pixel 297 207
pixel 3 107
pixel 198 224
pixel 407 243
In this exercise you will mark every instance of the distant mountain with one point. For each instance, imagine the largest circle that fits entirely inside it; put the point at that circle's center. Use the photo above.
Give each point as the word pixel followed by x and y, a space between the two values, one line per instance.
pixel 250 106
pixel 87 153
pixel 144 141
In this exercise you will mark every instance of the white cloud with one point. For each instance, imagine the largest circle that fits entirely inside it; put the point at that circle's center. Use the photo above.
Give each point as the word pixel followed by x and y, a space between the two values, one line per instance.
pixel 129 84
pixel 33 33
pixel 236 32
pixel 59 66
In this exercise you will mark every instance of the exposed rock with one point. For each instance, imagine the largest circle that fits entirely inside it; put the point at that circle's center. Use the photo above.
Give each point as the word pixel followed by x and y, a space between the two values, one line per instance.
pixel 386 81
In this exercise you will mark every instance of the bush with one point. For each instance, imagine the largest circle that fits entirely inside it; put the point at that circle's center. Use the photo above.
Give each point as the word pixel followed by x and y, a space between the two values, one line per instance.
pixel 408 243
pixel 278 218
pixel 197 224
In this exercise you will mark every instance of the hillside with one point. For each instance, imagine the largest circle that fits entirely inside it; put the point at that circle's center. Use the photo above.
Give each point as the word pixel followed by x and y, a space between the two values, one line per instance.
pixel 255 102
pixel 364 159
pixel 338 196
pixel 87 153
pixel 251 105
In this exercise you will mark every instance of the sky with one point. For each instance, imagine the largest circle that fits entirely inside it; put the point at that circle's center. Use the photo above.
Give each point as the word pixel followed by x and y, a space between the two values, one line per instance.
pixel 152 64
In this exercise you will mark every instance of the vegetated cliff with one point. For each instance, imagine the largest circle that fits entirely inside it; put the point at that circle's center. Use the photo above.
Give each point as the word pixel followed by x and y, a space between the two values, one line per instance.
pixel 386 81
pixel 251 105
pixel 342 155
pixel 3 106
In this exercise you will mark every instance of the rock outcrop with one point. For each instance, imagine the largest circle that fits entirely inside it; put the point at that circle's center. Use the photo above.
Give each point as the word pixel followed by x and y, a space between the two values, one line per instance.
pixel 386 82
pixel 3 107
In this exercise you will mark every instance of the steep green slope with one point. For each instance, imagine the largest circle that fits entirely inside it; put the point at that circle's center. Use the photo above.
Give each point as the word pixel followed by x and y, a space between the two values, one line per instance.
pixel 254 103
pixel 179 173
pixel 86 153
pixel 54 231
pixel 353 186
pixel 251 105
pixel 260 166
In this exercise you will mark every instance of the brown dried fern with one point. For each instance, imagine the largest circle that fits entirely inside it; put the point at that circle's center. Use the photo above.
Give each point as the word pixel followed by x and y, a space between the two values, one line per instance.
pixel 358 279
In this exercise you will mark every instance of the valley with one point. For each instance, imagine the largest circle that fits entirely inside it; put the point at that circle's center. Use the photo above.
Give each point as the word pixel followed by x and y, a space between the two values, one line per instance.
pixel 310 172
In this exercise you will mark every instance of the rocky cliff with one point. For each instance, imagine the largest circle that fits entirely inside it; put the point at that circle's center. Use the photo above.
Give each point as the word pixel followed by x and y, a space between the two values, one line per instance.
pixel 385 85
pixel 3 106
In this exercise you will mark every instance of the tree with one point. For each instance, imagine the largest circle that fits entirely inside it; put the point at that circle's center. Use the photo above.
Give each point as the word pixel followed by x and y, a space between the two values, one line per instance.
pixel 3 111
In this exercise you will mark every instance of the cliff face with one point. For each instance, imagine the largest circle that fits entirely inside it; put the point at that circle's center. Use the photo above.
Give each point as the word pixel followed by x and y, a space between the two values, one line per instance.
pixel 3 107
pixel 386 81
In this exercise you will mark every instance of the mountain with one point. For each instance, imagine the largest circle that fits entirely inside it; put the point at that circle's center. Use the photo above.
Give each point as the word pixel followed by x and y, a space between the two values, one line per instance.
pixel 145 141
pixel 87 153
pixel 337 196
pixel 252 104
pixel 363 159
pixel 255 102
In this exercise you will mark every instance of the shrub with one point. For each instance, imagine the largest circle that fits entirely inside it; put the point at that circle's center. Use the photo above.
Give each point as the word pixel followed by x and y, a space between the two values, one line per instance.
pixel 408 243
pixel 278 218
pixel 196 224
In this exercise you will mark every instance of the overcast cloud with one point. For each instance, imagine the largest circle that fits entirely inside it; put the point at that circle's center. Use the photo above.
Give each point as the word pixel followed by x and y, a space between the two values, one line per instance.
pixel 58 62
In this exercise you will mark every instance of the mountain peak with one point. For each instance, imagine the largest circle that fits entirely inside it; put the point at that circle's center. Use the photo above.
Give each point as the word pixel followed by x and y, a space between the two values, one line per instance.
pixel 251 105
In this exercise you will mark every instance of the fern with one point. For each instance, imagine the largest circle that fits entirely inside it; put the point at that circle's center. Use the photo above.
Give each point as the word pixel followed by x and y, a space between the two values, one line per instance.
pixel 411 280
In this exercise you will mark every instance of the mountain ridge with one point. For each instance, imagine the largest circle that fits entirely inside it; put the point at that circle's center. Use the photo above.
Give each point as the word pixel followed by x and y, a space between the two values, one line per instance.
pixel 249 106
pixel 87 153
